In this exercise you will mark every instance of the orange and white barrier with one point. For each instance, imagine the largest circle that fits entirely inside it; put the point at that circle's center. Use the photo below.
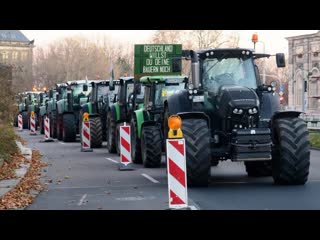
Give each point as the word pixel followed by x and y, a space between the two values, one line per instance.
pixel 125 148
pixel 20 122
pixel 47 130
pixel 177 178
pixel 85 136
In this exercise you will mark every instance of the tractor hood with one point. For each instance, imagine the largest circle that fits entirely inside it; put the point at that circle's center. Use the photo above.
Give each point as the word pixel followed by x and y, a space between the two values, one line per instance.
pixel 232 96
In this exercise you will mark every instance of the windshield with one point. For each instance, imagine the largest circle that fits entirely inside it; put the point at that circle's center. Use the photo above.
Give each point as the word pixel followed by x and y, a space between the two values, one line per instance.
pixel 78 89
pixel 164 91
pixel 103 90
pixel 228 71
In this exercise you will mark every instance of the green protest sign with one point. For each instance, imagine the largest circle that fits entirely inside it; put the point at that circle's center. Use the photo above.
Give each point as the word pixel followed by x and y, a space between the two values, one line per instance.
pixel 157 59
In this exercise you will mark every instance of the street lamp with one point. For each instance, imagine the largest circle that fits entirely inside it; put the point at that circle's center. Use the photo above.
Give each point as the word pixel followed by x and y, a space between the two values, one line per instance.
pixel 255 40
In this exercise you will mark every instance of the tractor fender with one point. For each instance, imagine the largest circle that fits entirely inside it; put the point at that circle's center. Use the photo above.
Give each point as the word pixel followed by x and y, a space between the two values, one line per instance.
pixel 270 104
pixel 195 115
pixel 284 114
pixel 141 117
pixel 113 112
pixel 179 102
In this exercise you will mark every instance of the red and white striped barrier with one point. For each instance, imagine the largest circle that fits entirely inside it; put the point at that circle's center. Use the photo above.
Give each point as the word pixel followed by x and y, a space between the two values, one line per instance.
pixel 177 177
pixel 47 130
pixel 20 122
pixel 85 137
pixel 32 125
pixel 125 148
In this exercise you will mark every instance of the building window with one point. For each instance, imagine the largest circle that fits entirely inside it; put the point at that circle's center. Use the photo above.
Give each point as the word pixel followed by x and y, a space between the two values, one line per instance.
pixel 14 55
pixel 5 55
pixel 24 55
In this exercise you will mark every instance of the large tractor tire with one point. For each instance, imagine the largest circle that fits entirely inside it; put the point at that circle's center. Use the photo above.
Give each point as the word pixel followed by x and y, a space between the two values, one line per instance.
pixel 53 124
pixel 118 144
pixel 259 168
pixel 25 119
pixel 135 142
pixel 95 132
pixel 151 143
pixel 111 124
pixel 15 121
pixel 291 152
pixel 41 124
pixel 69 131
pixel 197 136
pixel 59 126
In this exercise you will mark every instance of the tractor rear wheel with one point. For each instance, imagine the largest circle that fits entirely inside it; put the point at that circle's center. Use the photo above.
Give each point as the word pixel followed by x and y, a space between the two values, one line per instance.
pixel 135 142
pixel 291 152
pixel 95 132
pixel 41 124
pixel 151 143
pixel 69 128
pixel 25 119
pixel 53 124
pixel 111 127
pixel 197 136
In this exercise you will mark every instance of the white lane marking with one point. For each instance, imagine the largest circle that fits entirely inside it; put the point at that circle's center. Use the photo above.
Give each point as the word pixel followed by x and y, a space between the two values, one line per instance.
pixel 150 178
pixel 61 142
pixel 82 199
pixel 139 198
pixel 193 208
pixel 112 160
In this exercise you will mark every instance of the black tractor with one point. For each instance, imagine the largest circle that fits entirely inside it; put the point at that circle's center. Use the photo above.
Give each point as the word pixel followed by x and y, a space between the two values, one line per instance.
pixel 227 112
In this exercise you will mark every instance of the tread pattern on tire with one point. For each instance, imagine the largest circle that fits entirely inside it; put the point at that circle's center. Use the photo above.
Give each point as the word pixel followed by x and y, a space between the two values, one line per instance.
pixel 69 128
pixel 135 150
pixel 151 144
pixel 291 153
pixel 197 137
pixel 111 145
pixel 95 132
pixel 25 119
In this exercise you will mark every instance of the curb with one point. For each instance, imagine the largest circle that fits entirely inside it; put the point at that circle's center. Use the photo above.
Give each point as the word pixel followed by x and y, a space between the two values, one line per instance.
pixel 315 148
pixel 9 184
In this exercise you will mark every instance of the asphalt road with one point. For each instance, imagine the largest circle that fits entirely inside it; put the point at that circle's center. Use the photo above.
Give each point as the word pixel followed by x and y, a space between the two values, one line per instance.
pixel 91 180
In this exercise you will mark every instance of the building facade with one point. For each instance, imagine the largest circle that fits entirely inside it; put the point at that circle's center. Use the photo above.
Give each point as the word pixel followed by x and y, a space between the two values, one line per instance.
pixel 304 74
pixel 16 51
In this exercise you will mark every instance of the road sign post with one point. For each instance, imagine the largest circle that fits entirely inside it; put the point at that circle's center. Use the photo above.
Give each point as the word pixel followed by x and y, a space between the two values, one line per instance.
pixel 47 131
pixel 20 123
pixel 32 124
pixel 85 136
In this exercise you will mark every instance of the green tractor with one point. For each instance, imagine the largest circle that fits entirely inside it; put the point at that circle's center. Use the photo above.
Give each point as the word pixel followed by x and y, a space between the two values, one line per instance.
pixel 99 102
pixel 229 113
pixel 28 103
pixel 129 98
pixel 148 123
pixel 51 107
pixel 43 98
pixel 71 97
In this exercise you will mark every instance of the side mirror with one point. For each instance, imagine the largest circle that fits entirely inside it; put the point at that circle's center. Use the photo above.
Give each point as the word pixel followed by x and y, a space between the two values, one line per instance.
pixel 51 94
pixel 29 97
pixel 85 88
pixel 57 97
pixel 41 97
pixel 281 62
pixel 59 90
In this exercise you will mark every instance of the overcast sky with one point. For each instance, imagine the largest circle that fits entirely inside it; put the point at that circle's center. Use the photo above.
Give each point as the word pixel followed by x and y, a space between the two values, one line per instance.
pixel 274 39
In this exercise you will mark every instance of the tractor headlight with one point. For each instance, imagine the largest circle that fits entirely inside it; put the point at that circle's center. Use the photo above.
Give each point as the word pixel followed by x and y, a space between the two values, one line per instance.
pixel 254 110
pixel 195 91
pixel 190 91
pixel 250 111
pixel 237 111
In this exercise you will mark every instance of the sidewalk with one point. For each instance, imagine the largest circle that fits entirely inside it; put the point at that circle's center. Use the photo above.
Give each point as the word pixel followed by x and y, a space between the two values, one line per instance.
pixel 9 184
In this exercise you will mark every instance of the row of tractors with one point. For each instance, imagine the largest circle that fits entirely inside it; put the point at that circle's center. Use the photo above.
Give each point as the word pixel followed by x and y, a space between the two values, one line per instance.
pixel 226 112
